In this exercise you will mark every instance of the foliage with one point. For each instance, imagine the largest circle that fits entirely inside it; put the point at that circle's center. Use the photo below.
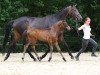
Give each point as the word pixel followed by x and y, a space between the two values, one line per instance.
pixel 12 9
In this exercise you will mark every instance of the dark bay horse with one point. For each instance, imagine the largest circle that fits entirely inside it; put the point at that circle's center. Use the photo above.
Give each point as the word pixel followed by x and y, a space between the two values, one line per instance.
pixel 20 25
pixel 49 36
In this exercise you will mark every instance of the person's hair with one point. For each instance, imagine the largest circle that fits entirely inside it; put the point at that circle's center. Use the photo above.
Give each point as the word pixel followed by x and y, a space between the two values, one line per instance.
pixel 86 19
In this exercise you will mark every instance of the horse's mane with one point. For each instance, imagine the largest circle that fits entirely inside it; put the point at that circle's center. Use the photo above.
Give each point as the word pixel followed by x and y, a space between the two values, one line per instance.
pixel 59 11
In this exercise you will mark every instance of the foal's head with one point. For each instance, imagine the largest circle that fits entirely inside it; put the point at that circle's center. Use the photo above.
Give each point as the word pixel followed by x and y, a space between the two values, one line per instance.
pixel 60 25
pixel 65 24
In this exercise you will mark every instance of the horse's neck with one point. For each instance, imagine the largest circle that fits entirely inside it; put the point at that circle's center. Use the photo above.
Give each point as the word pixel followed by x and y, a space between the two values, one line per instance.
pixel 61 15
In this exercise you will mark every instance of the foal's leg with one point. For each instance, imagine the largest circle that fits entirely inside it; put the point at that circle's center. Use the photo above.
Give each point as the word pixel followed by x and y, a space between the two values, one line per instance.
pixel 29 49
pixel 33 47
pixel 51 50
pixel 58 48
pixel 25 48
pixel 61 39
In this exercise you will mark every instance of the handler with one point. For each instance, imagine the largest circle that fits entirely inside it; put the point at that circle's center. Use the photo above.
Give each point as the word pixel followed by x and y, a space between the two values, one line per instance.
pixel 86 38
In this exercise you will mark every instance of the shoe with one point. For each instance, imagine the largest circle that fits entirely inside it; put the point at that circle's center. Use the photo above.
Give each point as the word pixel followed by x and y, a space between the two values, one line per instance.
pixel 94 55
pixel 77 58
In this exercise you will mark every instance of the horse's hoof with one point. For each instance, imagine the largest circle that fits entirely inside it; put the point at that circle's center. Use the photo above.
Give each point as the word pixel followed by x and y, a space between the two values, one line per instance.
pixel 39 58
pixel 49 59
pixel 64 59
pixel 72 57
pixel 22 58
pixel 35 59
pixel 5 59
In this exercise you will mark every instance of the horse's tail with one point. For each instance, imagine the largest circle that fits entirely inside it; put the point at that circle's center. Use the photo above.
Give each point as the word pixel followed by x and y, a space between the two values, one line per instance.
pixel 7 31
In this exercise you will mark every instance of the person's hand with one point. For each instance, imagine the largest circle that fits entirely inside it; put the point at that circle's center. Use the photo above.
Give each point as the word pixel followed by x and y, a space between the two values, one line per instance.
pixel 77 30
pixel 93 36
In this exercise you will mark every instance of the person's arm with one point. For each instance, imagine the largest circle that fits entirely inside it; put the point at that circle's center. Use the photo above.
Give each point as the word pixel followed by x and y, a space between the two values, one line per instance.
pixel 80 28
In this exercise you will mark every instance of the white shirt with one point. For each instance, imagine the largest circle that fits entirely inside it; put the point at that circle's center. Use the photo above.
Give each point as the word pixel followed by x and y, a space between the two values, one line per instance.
pixel 86 31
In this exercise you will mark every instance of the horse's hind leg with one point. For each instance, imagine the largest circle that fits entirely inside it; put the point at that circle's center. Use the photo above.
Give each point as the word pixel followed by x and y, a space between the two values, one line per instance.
pixel 8 53
pixel 44 55
pixel 14 44
pixel 14 38
pixel 58 48
pixel 29 52
pixel 51 50
pixel 9 50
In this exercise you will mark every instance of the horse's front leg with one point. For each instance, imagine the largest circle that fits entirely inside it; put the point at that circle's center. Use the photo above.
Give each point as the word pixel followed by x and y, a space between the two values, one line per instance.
pixel 66 45
pixel 58 48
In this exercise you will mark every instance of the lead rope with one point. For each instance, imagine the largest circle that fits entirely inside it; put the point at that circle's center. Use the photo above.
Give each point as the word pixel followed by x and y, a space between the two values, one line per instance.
pixel 77 30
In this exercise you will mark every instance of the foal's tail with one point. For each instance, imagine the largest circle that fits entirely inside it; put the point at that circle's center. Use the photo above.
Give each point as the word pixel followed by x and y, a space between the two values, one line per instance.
pixel 24 36
pixel 7 31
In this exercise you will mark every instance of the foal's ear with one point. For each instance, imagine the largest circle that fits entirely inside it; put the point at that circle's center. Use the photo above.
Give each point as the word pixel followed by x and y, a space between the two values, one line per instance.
pixel 64 21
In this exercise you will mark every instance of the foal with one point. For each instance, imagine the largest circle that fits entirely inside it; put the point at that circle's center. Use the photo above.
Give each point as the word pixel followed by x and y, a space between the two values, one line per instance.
pixel 50 36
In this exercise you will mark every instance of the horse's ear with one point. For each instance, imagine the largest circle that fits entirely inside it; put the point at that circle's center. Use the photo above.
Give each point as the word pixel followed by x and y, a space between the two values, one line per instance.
pixel 73 4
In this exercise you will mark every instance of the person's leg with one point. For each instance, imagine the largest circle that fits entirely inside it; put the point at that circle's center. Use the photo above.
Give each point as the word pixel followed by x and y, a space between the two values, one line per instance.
pixel 94 45
pixel 84 45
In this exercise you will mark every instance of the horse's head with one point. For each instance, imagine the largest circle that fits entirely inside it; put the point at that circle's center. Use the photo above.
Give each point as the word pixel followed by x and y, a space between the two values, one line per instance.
pixel 74 13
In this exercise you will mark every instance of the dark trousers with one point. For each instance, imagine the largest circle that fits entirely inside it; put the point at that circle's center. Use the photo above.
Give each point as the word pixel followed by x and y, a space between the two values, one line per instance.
pixel 85 43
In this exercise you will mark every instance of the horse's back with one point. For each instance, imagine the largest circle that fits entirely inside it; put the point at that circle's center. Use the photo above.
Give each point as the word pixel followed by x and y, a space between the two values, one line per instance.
pixel 21 23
